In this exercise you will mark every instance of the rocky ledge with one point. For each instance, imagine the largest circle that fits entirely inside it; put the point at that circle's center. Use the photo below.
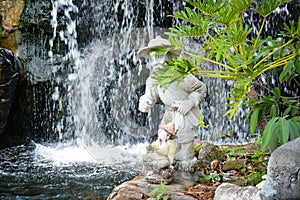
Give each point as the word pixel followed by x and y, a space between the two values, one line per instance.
pixel 138 188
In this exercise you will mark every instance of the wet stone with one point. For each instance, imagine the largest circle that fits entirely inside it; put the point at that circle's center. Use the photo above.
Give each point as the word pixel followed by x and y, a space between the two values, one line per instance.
pixel 9 78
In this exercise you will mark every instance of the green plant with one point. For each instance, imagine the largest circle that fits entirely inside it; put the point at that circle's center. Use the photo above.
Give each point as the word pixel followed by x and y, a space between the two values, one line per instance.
pixel 279 131
pixel 160 193
pixel 201 122
pixel 257 167
pixel 213 177
pixel 238 54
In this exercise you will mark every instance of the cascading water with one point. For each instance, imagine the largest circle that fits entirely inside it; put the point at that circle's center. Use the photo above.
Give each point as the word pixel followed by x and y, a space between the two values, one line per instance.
pixel 87 80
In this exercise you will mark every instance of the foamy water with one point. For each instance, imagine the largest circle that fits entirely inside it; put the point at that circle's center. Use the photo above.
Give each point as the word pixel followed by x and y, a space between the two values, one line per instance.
pixel 62 171
pixel 76 151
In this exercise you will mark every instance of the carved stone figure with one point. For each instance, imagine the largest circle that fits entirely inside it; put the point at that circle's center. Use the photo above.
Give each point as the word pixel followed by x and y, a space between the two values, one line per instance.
pixel 181 104
pixel 283 180
pixel 160 156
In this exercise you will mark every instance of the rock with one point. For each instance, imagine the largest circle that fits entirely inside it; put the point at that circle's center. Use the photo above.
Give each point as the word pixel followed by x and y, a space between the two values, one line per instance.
pixel 233 192
pixel 234 164
pixel 10 11
pixel 205 192
pixel 180 196
pixel 163 175
pixel 9 78
pixel 12 42
pixel 283 180
pixel 208 153
pixel 139 188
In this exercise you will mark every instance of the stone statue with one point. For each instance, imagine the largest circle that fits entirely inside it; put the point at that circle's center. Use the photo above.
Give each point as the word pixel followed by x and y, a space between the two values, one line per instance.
pixel 283 180
pixel 160 156
pixel 181 104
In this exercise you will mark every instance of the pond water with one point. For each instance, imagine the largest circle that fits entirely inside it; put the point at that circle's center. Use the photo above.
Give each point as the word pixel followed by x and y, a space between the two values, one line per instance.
pixel 63 171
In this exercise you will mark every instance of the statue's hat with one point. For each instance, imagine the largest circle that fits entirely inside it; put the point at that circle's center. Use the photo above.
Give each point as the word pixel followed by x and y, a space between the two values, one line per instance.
pixel 169 128
pixel 155 43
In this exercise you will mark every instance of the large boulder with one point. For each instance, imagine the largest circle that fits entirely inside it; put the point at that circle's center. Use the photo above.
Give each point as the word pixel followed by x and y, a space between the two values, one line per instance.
pixel 10 68
pixel 283 181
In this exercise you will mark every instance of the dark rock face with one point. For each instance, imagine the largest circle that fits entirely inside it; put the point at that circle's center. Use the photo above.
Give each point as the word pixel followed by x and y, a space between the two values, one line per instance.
pixel 283 181
pixel 9 77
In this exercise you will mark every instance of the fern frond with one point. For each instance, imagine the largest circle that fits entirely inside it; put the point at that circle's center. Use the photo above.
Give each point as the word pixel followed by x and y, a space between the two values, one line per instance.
pixel 190 16
pixel 207 7
pixel 239 36
pixel 265 8
pixel 291 30
pixel 227 16
pixel 188 31
pixel 241 5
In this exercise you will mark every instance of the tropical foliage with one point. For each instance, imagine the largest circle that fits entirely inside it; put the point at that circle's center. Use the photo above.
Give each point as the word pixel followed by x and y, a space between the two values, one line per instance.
pixel 239 54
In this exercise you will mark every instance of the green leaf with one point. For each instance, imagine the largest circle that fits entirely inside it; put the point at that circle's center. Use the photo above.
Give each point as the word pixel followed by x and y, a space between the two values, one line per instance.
pixel 154 191
pixel 188 31
pixel 268 133
pixel 254 120
pixel 294 130
pixel 190 15
pixel 207 7
pixel 297 65
pixel 291 30
pixel 158 196
pixel 274 110
pixel 162 187
pixel 217 178
pixel 277 93
pixel 254 102
pixel 288 110
pixel 207 177
pixel 165 197
pixel 283 130
pixel 288 72
pixel 241 5
pixel 265 8
pixel 274 141
pixel 227 16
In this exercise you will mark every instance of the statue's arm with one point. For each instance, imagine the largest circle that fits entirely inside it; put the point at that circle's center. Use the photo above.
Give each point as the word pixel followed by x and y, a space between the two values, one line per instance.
pixel 150 97
pixel 198 90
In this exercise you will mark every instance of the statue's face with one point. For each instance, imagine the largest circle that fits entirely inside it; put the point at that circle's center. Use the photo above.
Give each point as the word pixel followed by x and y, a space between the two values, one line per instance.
pixel 156 61
pixel 163 136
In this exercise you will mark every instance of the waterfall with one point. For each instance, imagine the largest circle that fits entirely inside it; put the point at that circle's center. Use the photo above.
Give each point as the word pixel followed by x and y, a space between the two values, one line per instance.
pixel 106 78
pixel 96 77
pixel 104 82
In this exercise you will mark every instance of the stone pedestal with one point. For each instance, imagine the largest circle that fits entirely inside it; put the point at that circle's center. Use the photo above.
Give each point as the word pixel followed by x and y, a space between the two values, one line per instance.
pixel 163 175
pixel 185 165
